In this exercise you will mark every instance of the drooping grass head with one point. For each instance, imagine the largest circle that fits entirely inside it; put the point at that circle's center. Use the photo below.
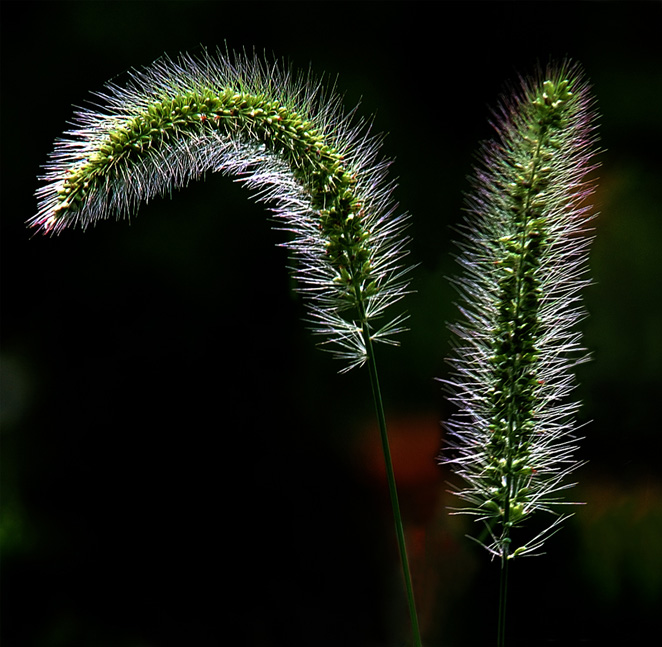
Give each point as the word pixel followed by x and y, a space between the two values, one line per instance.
pixel 283 136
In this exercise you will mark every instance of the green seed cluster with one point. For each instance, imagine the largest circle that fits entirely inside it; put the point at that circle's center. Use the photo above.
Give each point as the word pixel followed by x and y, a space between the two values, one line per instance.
pixel 314 163
pixel 523 257
pixel 515 356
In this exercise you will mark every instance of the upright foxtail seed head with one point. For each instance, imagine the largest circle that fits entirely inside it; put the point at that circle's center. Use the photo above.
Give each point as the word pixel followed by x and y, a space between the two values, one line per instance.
pixel 523 255
pixel 283 136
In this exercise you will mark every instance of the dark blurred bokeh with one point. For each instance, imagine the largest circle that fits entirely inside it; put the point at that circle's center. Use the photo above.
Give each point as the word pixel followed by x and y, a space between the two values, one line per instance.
pixel 182 466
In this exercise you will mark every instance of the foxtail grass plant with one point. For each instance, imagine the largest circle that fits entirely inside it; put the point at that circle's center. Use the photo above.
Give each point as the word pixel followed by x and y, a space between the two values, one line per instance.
pixel 523 255
pixel 287 138
pixel 523 250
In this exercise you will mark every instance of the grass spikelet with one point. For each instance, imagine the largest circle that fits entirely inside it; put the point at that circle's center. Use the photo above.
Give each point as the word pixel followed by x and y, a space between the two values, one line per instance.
pixel 523 256
pixel 283 136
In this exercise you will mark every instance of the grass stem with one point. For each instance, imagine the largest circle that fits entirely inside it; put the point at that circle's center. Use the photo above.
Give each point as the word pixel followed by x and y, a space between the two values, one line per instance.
pixel 503 592
pixel 393 492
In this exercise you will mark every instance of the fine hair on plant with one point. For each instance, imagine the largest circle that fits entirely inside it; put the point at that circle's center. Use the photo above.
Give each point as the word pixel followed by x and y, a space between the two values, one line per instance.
pixel 284 136
pixel 523 255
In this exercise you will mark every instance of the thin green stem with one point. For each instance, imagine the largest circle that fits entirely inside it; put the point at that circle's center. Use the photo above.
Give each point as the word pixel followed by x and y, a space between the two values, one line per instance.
pixel 390 477
pixel 503 591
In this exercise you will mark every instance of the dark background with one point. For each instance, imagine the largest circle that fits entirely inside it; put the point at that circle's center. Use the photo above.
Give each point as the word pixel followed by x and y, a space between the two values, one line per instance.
pixel 182 466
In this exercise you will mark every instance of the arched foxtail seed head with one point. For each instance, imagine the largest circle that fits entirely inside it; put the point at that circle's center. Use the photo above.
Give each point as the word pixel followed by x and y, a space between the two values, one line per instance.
pixel 284 136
